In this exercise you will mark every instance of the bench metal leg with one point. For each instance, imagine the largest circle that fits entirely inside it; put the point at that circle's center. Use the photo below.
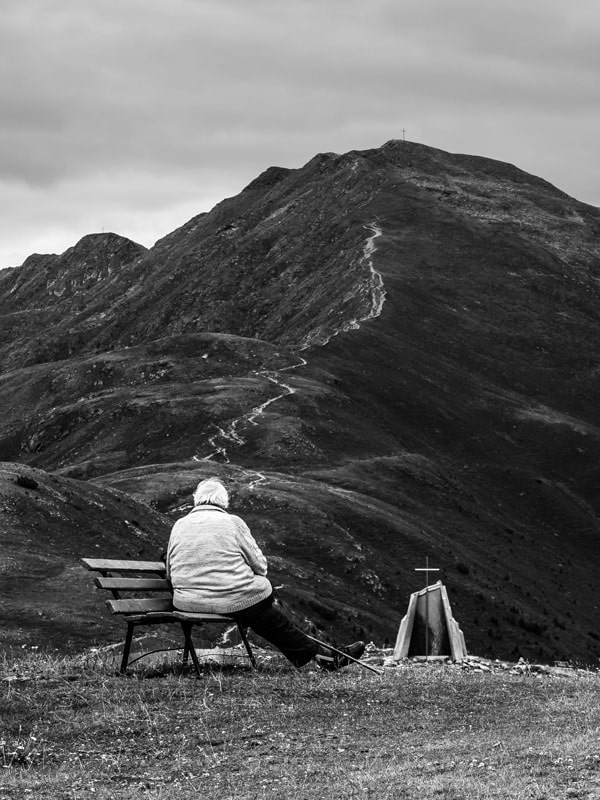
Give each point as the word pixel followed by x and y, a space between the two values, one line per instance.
pixel 242 631
pixel 189 648
pixel 127 647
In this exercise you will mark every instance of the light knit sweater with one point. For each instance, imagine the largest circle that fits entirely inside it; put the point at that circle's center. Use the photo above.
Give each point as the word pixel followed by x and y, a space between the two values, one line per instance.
pixel 214 563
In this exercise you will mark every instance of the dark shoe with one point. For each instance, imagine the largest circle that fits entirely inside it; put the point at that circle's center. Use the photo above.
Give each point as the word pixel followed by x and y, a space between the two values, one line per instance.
pixel 354 650
pixel 330 661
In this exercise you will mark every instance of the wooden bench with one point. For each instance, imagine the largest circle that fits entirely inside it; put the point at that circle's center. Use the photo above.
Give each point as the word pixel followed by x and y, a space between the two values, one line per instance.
pixel 154 606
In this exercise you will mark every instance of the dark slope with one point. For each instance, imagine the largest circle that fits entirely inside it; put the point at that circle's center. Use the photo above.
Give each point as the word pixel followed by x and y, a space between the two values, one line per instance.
pixel 47 524
pixel 155 402
pixel 458 419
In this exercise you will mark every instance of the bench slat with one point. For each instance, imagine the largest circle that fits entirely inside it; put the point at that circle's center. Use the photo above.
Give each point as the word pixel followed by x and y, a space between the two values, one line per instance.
pixel 150 618
pixel 140 606
pixel 198 615
pixel 150 605
pixel 123 565
pixel 134 584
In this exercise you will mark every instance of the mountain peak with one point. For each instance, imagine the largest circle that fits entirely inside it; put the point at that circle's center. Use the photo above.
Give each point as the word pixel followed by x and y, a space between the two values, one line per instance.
pixel 44 280
pixel 268 178
pixel 106 241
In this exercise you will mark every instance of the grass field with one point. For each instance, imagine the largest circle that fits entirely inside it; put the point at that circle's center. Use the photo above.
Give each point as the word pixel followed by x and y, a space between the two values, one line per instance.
pixel 71 728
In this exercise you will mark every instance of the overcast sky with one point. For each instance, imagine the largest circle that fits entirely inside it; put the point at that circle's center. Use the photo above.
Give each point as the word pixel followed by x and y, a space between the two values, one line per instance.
pixel 135 115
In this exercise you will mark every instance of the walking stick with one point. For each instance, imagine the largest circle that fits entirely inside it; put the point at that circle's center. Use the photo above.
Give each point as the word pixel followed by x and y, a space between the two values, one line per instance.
pixel 326 644
pixel 345 655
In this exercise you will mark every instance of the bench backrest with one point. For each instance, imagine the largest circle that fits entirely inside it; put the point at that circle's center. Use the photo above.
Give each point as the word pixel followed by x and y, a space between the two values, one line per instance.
pixel 141 577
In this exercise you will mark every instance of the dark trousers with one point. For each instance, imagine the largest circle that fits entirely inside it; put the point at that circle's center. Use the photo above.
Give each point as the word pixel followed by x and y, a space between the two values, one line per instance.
pixel 268 620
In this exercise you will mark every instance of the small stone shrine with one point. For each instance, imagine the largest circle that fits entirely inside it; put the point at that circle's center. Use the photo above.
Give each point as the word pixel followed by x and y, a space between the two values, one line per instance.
pixel 429 629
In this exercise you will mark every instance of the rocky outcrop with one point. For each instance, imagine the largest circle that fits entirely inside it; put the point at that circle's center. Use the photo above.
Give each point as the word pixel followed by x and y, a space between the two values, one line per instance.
pixel 45 281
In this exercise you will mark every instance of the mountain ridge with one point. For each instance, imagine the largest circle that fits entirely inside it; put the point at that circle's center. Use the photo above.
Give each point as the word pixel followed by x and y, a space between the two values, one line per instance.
pixel 389 354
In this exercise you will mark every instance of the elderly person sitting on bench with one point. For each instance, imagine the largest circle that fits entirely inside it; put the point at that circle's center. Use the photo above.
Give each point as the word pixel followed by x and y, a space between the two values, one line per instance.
pixel 215 566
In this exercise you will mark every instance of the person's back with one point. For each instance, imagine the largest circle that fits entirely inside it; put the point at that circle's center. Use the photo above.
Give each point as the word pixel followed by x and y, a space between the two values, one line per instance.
pixel 214 564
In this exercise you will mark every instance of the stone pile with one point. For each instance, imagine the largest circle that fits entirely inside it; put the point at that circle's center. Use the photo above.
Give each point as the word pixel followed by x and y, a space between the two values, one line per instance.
pixel 385 659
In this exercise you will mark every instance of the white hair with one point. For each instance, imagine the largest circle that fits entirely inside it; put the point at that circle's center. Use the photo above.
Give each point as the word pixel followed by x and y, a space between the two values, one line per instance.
pixel 212 492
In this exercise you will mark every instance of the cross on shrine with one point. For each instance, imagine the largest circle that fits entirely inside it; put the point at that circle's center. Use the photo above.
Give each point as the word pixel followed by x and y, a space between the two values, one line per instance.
pixel 427 569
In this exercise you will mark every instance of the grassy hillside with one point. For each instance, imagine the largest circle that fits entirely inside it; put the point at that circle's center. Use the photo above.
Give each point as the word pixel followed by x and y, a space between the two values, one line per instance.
pixel 73 729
